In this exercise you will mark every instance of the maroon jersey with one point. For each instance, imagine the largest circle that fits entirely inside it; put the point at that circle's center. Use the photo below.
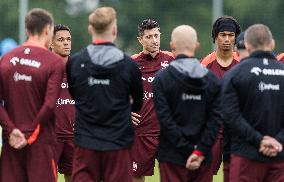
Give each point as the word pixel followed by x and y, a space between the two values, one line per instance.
pixel 64 113
pixel 30 78
pixel 149 66
pixel 212 64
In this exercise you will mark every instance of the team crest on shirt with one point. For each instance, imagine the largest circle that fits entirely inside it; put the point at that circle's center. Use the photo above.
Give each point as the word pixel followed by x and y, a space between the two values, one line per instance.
pixel 135 166
pixel 27 51
pixel 164 64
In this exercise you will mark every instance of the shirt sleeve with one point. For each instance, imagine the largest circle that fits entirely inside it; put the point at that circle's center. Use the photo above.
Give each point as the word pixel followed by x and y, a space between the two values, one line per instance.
pixel 136 88
pixel 52 92
pixel 173 133
pixel 213 123
pixel 233 116
pixel 5 121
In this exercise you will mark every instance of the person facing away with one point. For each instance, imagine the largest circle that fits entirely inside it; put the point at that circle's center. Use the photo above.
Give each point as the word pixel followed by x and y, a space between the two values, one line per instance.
pixel 253 100
pixel 106 86
pixel 65 109
pixel 186 97
pixel 30 79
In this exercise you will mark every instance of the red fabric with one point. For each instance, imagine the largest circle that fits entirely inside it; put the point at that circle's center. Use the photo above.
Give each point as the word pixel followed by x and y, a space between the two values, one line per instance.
pixel 30 80
pixel 143 153
pixel 149 66
pixel 280 57
pixel 33 163
pixel 65 153
pixel 64 113
pixel 246 170
pixel 226 171
pixel 175 173
pixel 198 153
pixel 97 166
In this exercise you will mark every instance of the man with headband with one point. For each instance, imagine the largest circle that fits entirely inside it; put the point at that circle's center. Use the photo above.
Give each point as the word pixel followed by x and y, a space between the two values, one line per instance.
pixel 224 32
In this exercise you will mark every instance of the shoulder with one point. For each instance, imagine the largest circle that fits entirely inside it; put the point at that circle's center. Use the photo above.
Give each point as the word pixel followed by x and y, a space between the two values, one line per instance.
pixel 167 54
pixel 136 56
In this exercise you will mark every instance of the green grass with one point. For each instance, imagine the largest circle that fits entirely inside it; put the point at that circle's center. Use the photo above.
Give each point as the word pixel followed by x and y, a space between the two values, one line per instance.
pixel 156 177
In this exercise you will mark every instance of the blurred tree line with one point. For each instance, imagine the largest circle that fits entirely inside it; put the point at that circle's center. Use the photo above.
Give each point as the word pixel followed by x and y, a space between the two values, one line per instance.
pixel 169 13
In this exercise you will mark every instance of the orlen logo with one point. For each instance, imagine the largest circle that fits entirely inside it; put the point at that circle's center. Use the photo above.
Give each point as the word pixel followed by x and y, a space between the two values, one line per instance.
pixel 64 85
pixel 150 79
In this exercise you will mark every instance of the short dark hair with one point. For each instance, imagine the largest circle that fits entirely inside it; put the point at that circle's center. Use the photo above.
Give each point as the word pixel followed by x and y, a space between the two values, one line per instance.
pixel 147 24
pixel 240 42
pixel 225 20
pixel 37 19
pixel 60 27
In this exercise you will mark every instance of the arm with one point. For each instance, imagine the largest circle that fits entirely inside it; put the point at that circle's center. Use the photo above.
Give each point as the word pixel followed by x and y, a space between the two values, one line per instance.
pixel 136 88
pixel 52 93
pixel 233 116
pixel 174 134
pixel 213 124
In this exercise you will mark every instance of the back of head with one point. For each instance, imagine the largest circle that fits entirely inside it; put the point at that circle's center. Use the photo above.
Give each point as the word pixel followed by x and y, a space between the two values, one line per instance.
pixel 147 24
pixel 184 38
pixel 225 23
pixel 101 19
pixel 240 43
pixel 36 20
pixel 259 36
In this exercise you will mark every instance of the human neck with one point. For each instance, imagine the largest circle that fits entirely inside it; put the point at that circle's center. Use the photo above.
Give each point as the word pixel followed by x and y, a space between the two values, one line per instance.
pixel 153 54
pixel 187 53
pixel 37 40
pixel 105 38
pixel 224 58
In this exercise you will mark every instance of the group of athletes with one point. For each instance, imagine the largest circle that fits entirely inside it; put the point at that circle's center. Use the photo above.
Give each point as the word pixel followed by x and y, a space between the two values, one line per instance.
pixel 100 115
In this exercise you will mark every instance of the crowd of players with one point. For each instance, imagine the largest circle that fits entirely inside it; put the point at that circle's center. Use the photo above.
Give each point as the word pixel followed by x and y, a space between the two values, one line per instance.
pixel 100 115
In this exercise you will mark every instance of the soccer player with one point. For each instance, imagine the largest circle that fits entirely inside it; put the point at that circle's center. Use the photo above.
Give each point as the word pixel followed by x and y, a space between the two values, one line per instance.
pixel 65 109
pixel 147 128
pixel 224 32
pixel 30 79
pixel 186 97
pixel 240 47
pixel 106 85
pixel 253 102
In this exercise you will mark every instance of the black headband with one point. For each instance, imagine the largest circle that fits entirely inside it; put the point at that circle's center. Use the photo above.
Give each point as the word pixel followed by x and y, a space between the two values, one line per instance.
pixel 227 26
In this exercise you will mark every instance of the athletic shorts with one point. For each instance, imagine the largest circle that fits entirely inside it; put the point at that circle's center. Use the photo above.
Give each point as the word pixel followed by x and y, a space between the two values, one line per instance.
pixel 216 151
pixel 226 171
pixel 96 166
pixel 33 163
pixel 247 170
pixel 144 153
pixel 65 151
pixel 176 173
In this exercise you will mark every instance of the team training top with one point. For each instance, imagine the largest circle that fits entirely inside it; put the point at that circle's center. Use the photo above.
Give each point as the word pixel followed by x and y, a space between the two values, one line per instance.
pixel 30 79
pixel 149 66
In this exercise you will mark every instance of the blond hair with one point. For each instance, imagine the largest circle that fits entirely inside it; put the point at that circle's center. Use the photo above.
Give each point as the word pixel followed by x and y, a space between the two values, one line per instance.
pixel 102 18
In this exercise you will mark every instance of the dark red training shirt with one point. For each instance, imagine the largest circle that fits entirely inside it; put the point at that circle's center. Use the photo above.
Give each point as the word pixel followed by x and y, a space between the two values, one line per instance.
pixel 212 64
pixel 30 78
pixel 65 113
pixel 149 66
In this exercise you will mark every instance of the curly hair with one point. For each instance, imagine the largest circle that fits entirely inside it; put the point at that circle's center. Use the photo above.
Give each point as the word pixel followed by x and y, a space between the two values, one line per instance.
pixel 60 27
pixel 147 24
pixel 225 20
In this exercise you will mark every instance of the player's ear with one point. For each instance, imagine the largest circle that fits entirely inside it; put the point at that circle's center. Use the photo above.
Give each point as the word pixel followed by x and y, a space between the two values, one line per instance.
pixel 197 46
pixel 172 46
pixel 90 30
pixel 139 38
pixel 272 44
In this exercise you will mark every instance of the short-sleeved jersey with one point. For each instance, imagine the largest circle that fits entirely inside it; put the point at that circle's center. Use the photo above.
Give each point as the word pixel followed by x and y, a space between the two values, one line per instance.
pixel 149 66
pixel 210 61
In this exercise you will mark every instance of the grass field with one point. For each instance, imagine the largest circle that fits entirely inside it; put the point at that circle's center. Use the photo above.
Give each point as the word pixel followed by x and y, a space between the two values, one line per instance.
pixel 156 177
